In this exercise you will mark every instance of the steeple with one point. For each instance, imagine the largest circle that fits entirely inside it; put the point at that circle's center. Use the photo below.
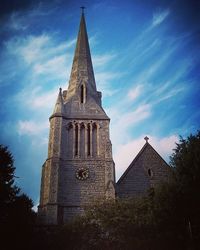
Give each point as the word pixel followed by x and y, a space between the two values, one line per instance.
pixel 82 69
pixel 79 168
pixel 59 107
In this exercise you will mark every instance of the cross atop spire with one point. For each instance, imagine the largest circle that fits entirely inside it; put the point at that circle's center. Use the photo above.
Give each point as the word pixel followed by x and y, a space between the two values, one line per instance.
pixel 146 138
pixel 82 7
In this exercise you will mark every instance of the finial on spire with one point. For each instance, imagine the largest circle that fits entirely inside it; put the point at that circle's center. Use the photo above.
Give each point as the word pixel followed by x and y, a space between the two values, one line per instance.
pixel 82 7
pixel 60 89
pixel 146 139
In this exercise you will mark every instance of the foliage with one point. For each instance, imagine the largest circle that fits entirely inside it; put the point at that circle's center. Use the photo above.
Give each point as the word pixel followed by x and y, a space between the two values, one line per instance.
pixel 166 218
pixel 16 215
pixel 7 187
pixel 186 161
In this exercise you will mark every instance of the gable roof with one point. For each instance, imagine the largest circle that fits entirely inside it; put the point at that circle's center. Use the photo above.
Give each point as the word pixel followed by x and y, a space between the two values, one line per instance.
pixel 146 145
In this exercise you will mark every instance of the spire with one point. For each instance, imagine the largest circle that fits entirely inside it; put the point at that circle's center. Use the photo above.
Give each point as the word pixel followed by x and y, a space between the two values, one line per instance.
pixel 82 69
pixel 59 107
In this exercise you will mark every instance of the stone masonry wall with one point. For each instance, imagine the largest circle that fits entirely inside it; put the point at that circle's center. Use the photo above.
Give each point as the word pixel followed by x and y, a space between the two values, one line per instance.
pixel 148 170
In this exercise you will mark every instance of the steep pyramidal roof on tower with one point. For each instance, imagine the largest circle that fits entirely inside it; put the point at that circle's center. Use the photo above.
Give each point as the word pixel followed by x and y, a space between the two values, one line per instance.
pixel 82 100
pixel 82 69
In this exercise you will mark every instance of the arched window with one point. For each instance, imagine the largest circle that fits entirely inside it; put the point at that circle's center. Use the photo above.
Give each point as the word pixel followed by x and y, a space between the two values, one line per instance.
pixel 76 140
pixel 69 140
pixel 82 94
pixel 82 140
pixel 94 139
pixel 88 141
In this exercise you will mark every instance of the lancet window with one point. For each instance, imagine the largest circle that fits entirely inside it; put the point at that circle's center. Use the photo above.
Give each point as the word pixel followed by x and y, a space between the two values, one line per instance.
pixel 88 140
pixel 76 139
pixel 82 139
pixel 83 93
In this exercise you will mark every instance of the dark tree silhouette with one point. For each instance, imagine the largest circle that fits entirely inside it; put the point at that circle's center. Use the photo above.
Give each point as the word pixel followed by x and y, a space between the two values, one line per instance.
pixel 16 215
pixel 8 190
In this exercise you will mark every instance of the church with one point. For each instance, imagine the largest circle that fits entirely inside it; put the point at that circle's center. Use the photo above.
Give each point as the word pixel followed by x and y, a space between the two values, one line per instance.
pixel 79 168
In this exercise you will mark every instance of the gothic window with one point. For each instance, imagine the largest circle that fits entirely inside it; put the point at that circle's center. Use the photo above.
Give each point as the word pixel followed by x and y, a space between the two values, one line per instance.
pixel 88 140
pixel 94 139
pixel 76 140
pixel 82 140
pixel 83 93
pixel 70 140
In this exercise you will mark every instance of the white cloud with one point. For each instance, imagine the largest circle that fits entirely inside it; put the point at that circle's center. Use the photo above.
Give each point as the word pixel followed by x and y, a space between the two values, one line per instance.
pixel 29 48
pixel 35 208
pixel 34 49
pixel 31 127
pixel 141 113
pixel 104 76
pixel 101 60
pixel 135 92
pixel 55 66
pixel 103 80
pixel 42 100
pixel 40 142
pixel 170 94
pixel 125 153
pixel 159 17
pixel 68 44
pixel 122 121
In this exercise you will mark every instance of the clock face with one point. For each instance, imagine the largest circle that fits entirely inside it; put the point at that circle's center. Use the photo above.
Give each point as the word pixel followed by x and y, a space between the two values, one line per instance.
pixel 82 173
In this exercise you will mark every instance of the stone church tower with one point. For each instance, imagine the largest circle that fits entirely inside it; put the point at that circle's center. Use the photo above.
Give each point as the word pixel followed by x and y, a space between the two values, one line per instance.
pixel 79 169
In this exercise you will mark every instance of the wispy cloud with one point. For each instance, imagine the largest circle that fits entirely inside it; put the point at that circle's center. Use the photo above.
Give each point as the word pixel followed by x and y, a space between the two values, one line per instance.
pixel 135 92
pixel 159 17
pixel 18 19
pixel 104 79
pixel 37 48
pixel 31 127
pixel 141 113
pixel 123 120
pixel 170 94
pixel 101 60
pixel 39 99
pixel 56 65
pixel 17 22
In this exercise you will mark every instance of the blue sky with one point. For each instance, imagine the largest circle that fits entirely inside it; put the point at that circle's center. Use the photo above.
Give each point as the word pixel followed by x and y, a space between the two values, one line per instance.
pixel 146 58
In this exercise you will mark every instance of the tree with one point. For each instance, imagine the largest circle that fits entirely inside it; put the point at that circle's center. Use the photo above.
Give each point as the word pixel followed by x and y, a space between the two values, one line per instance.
pixel 16 215
pixel 186 164
pixel 8 190
pixel 168 217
